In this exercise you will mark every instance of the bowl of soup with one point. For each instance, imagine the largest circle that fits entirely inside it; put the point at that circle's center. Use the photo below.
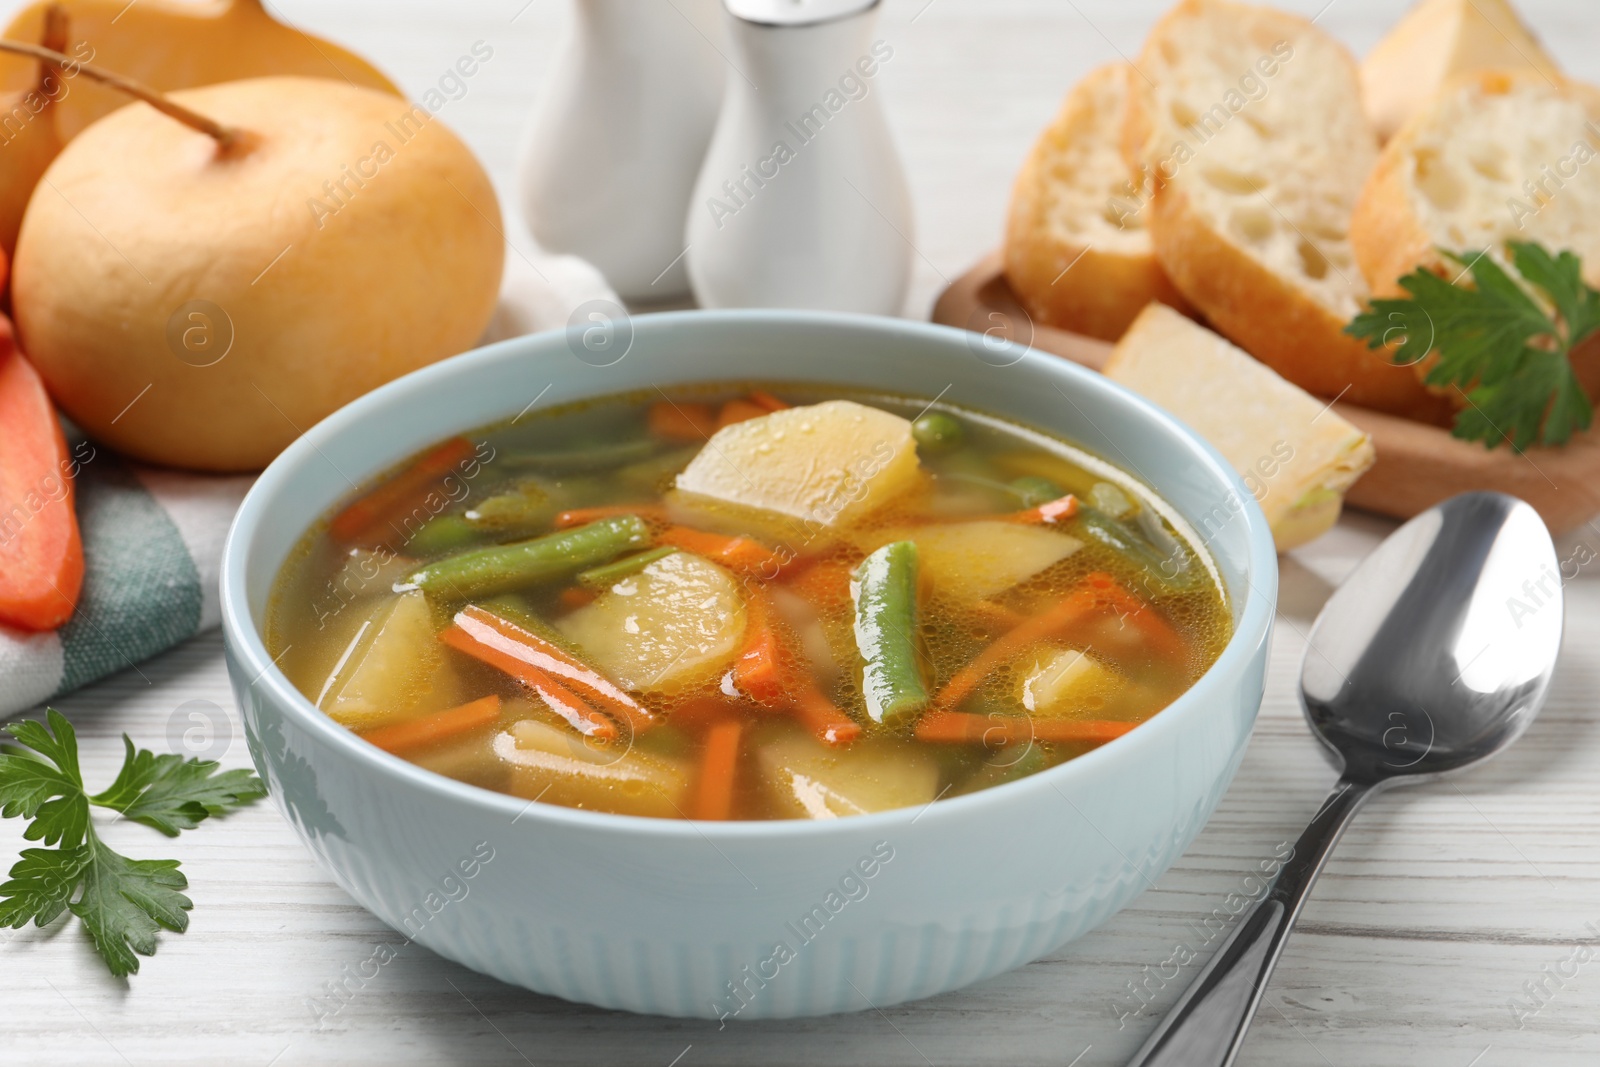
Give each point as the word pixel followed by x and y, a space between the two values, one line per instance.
pixel 773 664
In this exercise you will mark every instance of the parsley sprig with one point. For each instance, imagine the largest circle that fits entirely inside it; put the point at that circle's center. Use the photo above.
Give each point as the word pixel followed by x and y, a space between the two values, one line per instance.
pixel 122 902
pixel 1505 342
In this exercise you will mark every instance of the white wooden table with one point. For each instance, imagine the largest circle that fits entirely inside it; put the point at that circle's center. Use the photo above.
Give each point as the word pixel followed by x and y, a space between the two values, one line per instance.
pixel 1438 910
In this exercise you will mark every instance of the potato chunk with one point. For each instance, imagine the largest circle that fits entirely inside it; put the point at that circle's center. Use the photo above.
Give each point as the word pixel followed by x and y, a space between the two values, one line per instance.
pixel 809 780
pixel 385 668
pixel 1068 683
pixel 666 628
pixel 974 560
pixel 825 465
pixel 558 767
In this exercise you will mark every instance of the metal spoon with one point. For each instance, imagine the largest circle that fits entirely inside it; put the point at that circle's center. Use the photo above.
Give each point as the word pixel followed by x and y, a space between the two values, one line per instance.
pixel 1435 655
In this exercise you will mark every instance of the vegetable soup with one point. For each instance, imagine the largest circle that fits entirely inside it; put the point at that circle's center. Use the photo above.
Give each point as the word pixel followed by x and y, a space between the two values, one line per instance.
pixel 744 602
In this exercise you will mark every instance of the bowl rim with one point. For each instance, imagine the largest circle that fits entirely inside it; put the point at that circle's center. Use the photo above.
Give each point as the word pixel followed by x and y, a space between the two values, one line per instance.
pixel 1252 626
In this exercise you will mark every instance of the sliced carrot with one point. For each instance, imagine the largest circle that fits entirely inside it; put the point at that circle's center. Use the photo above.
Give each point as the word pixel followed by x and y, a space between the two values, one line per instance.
pixel 758 672
pixel 1047 624
pixel 557 697
pixel 1142 617
pixel 576 596
pixel 439 727
pixel 503 644
pixel 768 672
pixel 735 411
pixel 955 727
pixel 765 400
pixel 719 765
pixel 42 550
pixel 583 516
pixel 741 554
pixel 682 421
pixel 370 519
pixel 1048 513
pixel 1100 592
pixel 824 585
pixel 822 716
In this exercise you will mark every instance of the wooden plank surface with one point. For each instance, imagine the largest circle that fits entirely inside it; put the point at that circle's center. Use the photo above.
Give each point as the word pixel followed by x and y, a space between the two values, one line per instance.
pixel 1438 908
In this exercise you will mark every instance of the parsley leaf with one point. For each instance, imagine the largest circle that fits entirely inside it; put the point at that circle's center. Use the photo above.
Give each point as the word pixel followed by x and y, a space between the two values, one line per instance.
pixel 173 794
pixel 122 902
pixel 1504 343
pixel 125 902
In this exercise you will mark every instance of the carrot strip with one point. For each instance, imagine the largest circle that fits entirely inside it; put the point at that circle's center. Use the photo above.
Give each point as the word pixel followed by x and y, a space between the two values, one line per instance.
pixel 583 516
pixel 742 554
pixel 1142 617
pixel 682 422
pixel 956 727
pixel 366 518
pixel 719 764
pixel 489 634
pixel 758 672
pixel 39 540
pixel 580 715
pixel 766 672
pixel 822 716
pixel 762 399
pixel 1048 513
pixel 735 411
pixel 1047 624
pixel 430 728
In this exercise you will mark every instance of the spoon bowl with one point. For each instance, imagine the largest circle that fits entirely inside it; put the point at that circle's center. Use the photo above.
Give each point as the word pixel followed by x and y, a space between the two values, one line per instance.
pixel 1438 651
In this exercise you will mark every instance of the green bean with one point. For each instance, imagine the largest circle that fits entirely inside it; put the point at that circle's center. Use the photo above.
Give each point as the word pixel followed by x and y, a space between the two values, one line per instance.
pixel 501 568
pixel 886 626
pixel 587 458
pixel 608 574
pixel 1033 490
pixel 651 475
pixel 528 507
pixel 938 431
pixel 1169 570
pixel 442 533
pixel 1004 766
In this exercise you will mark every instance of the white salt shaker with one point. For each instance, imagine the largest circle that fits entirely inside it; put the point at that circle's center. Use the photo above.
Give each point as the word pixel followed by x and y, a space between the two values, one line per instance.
pixel 802 201
pixel 618 137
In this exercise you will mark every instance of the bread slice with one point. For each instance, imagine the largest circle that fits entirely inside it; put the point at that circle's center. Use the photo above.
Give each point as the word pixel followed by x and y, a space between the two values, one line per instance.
pixel 1437 41
pixel 1499 155
pixel 1077 254
pixel 1249 120
pixel 1294 451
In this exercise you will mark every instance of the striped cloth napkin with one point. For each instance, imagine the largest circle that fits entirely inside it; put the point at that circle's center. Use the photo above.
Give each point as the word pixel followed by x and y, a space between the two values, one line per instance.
pixel 152 539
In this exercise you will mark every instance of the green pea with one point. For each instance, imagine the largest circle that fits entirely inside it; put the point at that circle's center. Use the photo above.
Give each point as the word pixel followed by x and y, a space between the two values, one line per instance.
pixel 938 431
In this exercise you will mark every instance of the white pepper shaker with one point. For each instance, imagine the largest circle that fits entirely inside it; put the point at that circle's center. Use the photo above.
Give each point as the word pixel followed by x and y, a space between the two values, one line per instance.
pixel 802 201
pixel 618 137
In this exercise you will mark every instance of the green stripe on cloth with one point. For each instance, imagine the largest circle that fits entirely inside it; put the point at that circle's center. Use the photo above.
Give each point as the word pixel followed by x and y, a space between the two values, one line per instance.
pixel 141 591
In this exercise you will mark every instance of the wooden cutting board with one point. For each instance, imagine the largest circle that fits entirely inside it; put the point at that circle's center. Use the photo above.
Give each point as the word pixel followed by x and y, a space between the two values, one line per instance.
pixel 1418 465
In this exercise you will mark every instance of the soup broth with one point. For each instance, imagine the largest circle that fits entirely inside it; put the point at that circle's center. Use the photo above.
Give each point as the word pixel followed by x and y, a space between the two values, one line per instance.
pixel 751 602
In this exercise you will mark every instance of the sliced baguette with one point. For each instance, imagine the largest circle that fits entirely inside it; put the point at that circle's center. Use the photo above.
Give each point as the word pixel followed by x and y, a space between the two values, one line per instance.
pixel 1498 156
pixel 1294 452
pixel 1250 121
pixel 1437 41
pixel 1077 253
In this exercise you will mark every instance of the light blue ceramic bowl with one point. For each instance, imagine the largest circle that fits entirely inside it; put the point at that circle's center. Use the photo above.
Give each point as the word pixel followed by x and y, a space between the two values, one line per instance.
pixel 750 920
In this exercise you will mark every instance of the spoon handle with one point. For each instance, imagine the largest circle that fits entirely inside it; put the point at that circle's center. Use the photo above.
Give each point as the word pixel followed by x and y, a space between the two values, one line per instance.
pixel 1207 1025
